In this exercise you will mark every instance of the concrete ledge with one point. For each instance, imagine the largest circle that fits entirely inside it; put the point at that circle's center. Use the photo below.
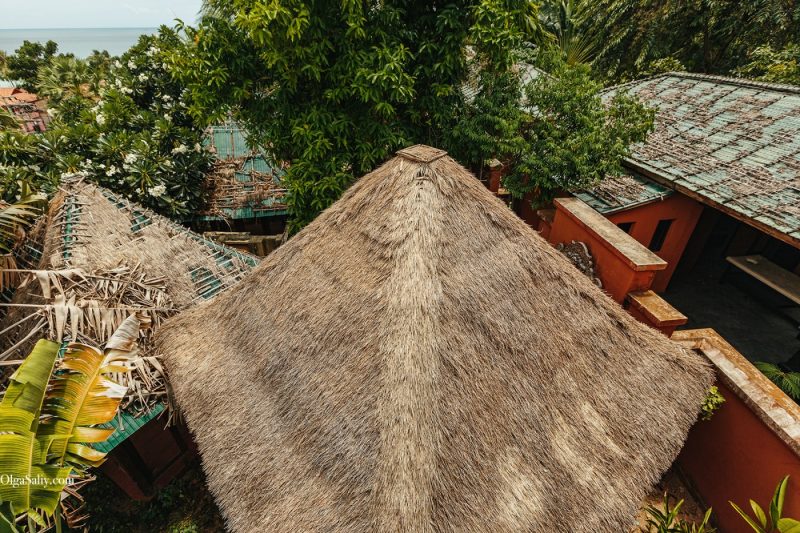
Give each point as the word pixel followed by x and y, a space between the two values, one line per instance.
pixel 636 255
pixel 650 308
pixel 772 406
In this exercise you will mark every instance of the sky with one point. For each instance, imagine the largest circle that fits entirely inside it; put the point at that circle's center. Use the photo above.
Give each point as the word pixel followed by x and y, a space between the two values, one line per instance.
pixel 95 13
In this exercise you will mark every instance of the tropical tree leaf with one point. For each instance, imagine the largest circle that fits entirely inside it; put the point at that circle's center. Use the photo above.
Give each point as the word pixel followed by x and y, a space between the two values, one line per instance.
pixel 31 483
pixel 82 395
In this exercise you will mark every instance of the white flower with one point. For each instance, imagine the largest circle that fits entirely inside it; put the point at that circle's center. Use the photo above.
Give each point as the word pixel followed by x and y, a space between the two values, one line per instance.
pixel 117 64
pixel 150 52
pixel 142 77
pixel 111 171
pixel 52 112
pixel 157 191
pixel 100 119
pixel 167 98
pixel 131 158
pixel 197 147
pixel 131 64
pixel 126 90
pixel 118 83
pixel 182 149
pixel 167 117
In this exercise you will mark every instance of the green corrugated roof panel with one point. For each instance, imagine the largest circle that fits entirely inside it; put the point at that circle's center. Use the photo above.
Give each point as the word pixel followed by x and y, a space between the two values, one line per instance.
pixel 126 425
pixel 735 142
pixel 228 140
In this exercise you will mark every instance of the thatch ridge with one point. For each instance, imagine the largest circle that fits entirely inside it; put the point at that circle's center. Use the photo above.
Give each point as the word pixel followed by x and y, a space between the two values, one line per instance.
pixel 419 359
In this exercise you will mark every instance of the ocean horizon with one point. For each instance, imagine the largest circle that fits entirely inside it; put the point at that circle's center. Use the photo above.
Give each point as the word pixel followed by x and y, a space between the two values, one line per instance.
pixel 78 41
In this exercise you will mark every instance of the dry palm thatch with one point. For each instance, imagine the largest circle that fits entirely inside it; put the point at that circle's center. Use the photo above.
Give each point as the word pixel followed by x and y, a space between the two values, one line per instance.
pixel 419 359
pixel 102 260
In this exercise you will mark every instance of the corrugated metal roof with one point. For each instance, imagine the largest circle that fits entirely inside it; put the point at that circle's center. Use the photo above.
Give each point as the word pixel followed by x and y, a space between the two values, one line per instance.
pixel 618 193
pixel 732 143
pixel 126 424
pixel 243 184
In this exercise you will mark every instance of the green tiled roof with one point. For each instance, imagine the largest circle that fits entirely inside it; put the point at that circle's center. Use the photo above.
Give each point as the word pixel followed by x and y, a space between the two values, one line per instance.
pixel 623 192
pixel 732 143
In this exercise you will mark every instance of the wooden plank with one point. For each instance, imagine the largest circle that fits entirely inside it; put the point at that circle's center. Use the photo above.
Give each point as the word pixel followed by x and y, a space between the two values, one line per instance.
pixel 767 272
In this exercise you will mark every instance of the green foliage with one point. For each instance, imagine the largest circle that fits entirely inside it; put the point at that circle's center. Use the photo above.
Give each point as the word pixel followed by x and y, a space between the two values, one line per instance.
pixel 48 415
pixel 23 65
pixel 573 38
pixel 123 124
pixel 771 521
pixel 787 381
pixel 705 35
pixel 336 87
pixel 23 454
pixel 668 520
pixel 779 66
pixel 572 139
pixel 490 125
pixel 660 66
pixel 712 402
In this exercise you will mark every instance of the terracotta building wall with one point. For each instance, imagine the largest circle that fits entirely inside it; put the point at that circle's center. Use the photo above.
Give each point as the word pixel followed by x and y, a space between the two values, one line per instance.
pixel 748 445
pixel 622 264
pixel 682 210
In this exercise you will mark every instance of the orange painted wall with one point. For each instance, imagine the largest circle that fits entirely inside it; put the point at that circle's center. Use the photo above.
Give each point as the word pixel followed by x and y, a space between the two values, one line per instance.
pixel 617 276
pixel 683 210
pixel 735 456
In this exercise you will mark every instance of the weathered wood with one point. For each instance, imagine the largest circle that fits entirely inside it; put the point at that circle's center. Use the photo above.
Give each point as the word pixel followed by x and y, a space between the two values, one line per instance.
pixel 767 272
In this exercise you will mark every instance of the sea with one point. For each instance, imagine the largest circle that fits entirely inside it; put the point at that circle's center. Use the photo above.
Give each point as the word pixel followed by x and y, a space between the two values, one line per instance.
pixel 79 41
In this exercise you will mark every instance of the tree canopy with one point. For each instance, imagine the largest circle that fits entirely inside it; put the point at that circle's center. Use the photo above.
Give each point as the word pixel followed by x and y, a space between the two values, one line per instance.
pixel 335 87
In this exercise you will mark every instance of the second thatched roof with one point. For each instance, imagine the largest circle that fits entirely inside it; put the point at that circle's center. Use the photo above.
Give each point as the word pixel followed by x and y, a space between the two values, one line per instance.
pixel 418 359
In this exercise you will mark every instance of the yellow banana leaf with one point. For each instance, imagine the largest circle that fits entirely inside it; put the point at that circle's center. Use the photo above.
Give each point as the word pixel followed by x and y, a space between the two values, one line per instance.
pixel 28 482
pixel 81 395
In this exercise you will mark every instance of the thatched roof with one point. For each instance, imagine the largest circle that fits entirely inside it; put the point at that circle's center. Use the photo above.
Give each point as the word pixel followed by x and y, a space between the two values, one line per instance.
pixel 95 259
pixel 419 359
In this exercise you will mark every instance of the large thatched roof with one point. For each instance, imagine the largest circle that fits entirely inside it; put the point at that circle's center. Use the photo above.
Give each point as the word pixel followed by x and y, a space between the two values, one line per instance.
pixel 418 359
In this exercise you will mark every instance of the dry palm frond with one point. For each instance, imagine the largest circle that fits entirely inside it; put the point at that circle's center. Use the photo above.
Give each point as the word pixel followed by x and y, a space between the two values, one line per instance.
pixel 90 308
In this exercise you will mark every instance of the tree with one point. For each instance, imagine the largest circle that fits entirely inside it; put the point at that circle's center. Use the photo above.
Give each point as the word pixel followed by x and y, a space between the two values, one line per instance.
pixel 767 64
pixel 8 120
pixel 65 77
pixel 705 35
pixel 489 127
pixel 24 64
pixel 335 87
pixel 129 130
pixel 573 38
pixel 572 138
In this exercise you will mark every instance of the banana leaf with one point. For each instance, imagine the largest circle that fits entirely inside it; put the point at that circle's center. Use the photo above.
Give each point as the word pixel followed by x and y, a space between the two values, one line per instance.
pixel 82 395
pixel 29 484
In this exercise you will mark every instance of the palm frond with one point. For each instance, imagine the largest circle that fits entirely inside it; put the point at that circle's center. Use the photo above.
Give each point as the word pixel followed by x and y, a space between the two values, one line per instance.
pixel 788 382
